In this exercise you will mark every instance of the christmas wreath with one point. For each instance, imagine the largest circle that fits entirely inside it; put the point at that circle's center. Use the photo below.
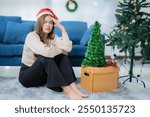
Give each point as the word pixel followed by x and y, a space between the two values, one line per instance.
pixel 68 5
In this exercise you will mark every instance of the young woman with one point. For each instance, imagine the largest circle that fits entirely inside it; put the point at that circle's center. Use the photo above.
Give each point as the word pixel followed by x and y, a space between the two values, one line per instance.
pixel 45 59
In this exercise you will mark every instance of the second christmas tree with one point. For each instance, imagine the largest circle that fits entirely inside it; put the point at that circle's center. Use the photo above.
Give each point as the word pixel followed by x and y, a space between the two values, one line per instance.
pixel 94 56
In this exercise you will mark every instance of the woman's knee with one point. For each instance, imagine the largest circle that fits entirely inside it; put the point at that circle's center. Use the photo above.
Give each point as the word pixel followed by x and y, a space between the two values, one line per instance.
pixel 45 60
pixel 65 57
pixel 41 58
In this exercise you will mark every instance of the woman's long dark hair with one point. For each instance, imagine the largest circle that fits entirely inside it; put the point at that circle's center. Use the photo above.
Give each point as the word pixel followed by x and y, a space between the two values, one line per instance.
pixel 39 28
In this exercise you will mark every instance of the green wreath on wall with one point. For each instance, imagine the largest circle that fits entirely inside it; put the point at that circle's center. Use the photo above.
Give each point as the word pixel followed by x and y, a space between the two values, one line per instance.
pixel 71 2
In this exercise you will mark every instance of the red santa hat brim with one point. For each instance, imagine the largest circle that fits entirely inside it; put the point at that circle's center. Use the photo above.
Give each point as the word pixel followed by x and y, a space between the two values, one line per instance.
pixel 46 11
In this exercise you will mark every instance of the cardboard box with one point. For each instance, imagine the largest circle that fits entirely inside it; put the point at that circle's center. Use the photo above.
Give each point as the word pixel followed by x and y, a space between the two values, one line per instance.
pixel 99 79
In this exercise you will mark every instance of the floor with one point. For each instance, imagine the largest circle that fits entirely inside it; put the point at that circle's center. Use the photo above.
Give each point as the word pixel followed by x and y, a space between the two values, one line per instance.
pixel 133 90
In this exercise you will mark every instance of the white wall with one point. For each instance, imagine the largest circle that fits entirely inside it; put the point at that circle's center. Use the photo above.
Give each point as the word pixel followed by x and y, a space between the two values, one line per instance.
pixel 88 10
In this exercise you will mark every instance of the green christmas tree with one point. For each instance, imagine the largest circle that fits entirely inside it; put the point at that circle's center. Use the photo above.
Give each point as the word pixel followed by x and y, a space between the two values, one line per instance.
pixel 132 29
pixel 145 43
pixel 94 56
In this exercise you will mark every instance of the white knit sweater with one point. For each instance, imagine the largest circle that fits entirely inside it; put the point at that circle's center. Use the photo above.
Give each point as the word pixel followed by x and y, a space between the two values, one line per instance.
pixel 33 45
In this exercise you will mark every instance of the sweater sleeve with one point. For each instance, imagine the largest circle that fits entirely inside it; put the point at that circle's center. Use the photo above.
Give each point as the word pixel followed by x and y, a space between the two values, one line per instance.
pixel 64 42
pixel 38 47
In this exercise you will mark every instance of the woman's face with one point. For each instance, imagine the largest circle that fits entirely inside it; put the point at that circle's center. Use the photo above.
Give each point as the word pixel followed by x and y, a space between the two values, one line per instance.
pixel 48 24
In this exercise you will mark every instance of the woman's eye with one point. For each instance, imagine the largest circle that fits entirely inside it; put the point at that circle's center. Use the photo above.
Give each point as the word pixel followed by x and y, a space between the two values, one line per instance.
pixel 51 22
pixel 48 22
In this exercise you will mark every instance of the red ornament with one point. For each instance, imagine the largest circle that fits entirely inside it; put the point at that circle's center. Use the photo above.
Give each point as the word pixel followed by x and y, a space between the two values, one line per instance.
pixel 110 62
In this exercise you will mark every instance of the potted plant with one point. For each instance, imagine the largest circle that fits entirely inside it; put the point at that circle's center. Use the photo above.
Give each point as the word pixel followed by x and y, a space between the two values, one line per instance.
pixel 97 74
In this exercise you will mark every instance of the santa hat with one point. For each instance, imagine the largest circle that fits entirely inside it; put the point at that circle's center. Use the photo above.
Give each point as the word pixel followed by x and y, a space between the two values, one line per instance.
pixel 44 11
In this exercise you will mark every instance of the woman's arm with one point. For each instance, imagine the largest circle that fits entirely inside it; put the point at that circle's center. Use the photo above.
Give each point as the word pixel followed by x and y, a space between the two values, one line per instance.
pixel 38 47
pixel 64 44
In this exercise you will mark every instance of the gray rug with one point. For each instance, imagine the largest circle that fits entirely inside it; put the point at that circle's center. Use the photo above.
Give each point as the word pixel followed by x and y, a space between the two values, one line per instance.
pixel 11 89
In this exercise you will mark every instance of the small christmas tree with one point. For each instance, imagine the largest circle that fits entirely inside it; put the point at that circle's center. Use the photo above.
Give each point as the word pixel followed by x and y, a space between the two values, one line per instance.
pixel 94 56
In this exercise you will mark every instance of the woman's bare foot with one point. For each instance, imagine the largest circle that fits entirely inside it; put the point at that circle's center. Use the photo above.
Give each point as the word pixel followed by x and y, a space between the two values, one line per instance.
pixel 74 87
pixel 71 93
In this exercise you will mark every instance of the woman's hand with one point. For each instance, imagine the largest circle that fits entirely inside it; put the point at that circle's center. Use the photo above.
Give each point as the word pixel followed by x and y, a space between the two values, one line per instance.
pixel 57 23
